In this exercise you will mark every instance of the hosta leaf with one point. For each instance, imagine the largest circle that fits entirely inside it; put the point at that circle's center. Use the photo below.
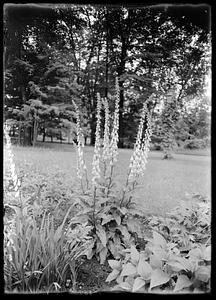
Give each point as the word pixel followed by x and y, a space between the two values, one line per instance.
pixel 155 262
pixel 182 282
pixel 103 254
pixel 115 264
pixel 138 284
pixel 113 275
pixel 160 253
pixel 184 262
pixel 134 255
pixel 176 266
pixel 207 253
pixel 101 234
pixel 125 286
pixel 158 277
pixel 203 273
pixel 144 269
pixel 196 253
pixel 128 269
pixel 130 280
pixel 159 240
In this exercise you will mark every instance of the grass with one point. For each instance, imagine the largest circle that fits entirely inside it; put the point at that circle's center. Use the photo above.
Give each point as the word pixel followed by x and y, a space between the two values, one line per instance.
pixel 165 184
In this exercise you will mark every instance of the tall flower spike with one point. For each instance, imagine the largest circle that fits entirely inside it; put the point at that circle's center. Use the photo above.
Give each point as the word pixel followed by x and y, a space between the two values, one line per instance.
pixel 114 134
pixel 106 139
pixel 96 157
pixel 81 167
pixel 139 157
pixel 15 179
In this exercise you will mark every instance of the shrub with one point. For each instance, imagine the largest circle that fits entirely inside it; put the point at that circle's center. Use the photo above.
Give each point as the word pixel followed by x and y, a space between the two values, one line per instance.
pixel 195 144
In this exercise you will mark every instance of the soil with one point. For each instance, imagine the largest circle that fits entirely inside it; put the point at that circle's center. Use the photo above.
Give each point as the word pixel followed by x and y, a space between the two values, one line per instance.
pixel 91 277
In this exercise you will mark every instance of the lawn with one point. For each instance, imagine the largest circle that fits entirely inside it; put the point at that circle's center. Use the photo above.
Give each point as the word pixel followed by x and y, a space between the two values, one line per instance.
pixel 165 184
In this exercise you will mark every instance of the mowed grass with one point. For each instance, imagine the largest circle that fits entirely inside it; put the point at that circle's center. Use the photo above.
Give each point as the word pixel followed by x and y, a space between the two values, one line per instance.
pixel 165 183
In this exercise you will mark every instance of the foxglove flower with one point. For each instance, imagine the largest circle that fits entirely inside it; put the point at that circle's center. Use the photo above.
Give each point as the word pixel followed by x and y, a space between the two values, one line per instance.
pixel 14 177
pixel 106 139
pixel 114 134
pixel 139 157
pixel 97 155
pixel 81 167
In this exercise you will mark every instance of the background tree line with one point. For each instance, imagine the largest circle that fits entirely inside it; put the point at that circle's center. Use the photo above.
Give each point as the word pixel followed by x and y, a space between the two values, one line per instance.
pixel 55 53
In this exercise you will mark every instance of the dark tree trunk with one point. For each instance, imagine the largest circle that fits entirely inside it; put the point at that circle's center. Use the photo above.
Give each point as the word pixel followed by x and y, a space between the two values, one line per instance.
pixel 93 128
pixel 85 140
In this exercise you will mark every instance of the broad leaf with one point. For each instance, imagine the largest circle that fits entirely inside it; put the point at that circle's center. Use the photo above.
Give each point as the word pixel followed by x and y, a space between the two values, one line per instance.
pixel 158 277
pixel 176 266
pixel 196 253
pixel 207 253
pixel 134 255
pixel 203 273
pixel 159 239
pixel 113 275
pixel 138 284
pixel 124 232
pixel 144 269
pixel 125 286
pixel 103 254
pixel 101 234
pixel 155 262
pixel 128 269
pixel 115 264
pixel 182 282
pixel 106 219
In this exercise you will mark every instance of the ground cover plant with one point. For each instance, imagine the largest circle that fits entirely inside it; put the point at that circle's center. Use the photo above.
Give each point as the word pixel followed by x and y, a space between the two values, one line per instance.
pixel 51 228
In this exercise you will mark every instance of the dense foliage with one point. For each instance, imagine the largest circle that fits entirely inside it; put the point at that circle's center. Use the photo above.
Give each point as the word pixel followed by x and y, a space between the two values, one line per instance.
pixel 55 52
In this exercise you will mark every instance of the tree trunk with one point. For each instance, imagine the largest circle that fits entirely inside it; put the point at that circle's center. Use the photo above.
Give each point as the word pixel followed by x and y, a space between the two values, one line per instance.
pixel 93 128
pixel 35 131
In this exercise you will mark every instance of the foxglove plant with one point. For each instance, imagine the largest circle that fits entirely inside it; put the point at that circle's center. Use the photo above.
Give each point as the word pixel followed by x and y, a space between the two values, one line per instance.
pixel 81 166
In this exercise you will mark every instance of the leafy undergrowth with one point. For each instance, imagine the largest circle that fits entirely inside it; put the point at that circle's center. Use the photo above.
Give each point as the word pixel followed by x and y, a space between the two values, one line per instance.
pixel 176 259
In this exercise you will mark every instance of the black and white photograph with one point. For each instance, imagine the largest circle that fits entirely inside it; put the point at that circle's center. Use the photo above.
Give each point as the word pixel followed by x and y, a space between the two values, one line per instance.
pixel 107 148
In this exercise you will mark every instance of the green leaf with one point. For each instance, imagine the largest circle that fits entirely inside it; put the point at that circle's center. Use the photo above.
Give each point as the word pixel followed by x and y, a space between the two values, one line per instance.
pixel 203 273
pixel 158 277
pixel 138 284
pixel 182 282
pixel 101 233
pixel 103 254
pixel 196 253
pixel 155 262
pixel 106 219
pixel 117 218
pixel 144 269
pixel 207 253
pixel 115 264
pixel 133 226
pixel 134 255
pixel 176 266
pixel 159 239
pixel 184 262
pixel 124 232
pixel 113 275
pixel 128 269
pixel 125 286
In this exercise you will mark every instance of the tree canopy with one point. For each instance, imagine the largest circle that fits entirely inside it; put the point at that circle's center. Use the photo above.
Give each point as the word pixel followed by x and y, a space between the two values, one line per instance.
pixel 58 52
